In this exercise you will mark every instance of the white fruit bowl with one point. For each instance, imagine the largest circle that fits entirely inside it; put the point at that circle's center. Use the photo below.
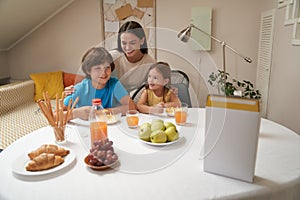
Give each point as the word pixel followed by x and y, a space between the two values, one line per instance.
pixel 161 144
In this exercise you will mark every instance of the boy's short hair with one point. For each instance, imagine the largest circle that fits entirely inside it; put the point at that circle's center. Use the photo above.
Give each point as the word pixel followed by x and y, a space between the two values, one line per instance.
pixel 96 56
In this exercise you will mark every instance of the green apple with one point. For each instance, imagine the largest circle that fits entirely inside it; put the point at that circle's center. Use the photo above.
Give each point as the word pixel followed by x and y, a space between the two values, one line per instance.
pixel 157 120
pixel 157 124
pixel 169 124
pixel 171 133
pixel 158 136
pixel 145 131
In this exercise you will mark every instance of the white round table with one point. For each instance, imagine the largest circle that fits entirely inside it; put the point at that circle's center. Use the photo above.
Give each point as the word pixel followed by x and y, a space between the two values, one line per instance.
pixel 151 172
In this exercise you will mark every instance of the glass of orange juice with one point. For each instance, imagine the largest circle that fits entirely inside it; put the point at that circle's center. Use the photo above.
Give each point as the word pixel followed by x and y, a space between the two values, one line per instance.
pixel 98 131
pixel 132 118
pixel 180 114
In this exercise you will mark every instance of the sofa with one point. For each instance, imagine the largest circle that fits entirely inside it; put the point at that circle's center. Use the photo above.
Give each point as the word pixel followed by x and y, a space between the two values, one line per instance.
pixel 19 112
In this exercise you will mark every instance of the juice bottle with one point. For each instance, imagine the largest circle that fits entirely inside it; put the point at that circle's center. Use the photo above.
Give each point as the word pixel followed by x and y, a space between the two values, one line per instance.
pixel 98 124
pixel 98 131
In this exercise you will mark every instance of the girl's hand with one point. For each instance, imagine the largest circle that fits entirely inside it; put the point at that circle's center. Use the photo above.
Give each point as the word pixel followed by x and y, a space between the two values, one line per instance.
pixel 69 90
pixel 159 108
pixel 175 90
pixel 161 104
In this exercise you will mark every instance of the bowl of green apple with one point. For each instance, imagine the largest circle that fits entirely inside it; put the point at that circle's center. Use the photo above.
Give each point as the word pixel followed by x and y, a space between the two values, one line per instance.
pixel 158 133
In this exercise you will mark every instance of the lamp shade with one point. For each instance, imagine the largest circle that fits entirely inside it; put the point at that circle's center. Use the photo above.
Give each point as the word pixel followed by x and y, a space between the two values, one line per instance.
pixel 185 34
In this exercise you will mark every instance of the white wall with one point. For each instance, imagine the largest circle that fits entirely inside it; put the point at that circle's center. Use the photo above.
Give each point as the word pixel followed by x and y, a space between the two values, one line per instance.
pixel 235 22
pixel 284 92
pixel 60 43
pixel 4 67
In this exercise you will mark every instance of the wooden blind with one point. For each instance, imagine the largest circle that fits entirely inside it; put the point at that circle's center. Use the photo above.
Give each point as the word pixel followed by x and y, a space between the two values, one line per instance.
pixel 265 57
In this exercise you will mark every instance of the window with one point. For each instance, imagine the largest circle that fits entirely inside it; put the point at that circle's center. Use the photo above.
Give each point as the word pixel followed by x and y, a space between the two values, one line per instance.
pixel 292 17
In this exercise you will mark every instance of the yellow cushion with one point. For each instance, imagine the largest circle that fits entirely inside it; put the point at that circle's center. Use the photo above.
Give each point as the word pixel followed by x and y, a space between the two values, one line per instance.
pixel 51 82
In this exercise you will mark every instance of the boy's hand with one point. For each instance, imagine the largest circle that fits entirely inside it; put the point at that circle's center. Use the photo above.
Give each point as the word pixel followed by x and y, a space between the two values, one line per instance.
pixel 82 112
pixel 69 90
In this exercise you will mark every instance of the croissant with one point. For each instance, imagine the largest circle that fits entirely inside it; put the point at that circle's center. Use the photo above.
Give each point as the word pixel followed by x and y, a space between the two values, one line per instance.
pixel 44 161
pixel 49 148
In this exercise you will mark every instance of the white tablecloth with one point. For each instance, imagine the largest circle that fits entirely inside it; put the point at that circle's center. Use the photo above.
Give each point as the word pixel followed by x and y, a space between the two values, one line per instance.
pixel 147 172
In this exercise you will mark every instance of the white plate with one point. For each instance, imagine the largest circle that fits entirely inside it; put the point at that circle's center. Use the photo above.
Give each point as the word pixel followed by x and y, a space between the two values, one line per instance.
pixel 18 166
pixel 81 122
pixel 161 144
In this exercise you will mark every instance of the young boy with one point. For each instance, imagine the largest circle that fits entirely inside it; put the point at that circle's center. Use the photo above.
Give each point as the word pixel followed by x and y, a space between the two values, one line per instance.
pixel 98 65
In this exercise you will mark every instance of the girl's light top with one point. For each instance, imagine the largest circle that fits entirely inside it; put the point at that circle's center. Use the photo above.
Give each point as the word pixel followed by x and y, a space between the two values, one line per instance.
pixel 154 100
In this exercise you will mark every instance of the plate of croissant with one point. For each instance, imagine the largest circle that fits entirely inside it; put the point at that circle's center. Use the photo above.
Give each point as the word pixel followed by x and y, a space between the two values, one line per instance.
pixel 46 159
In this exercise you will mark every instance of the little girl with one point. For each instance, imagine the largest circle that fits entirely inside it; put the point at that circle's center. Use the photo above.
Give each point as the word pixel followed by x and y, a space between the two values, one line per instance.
pixel 158 93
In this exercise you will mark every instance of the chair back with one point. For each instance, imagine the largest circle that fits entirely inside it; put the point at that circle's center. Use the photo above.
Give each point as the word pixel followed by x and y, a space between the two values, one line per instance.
pixel 180 80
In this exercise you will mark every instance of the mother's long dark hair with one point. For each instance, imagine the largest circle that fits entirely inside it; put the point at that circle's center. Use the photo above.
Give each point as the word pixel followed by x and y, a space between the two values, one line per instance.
pixel 136 29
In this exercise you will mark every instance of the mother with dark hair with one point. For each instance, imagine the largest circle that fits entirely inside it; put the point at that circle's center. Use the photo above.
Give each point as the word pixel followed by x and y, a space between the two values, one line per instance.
pixel 131 57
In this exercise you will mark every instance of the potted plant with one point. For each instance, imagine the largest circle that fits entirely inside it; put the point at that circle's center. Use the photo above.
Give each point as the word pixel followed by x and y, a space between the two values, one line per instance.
pixel 235 88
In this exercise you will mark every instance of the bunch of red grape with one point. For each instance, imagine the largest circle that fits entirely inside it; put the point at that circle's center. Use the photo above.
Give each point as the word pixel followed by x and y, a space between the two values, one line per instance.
pixel 102 153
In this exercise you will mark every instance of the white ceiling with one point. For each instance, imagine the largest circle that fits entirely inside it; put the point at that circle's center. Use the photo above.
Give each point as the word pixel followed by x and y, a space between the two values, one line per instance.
pixel 19 18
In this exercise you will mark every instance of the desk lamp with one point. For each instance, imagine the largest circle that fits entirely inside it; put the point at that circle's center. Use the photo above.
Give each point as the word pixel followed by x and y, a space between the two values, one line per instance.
pixel 185 35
